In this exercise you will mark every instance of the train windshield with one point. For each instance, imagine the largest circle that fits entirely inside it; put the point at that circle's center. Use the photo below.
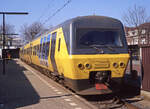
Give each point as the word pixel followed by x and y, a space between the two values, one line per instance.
pixel 98 37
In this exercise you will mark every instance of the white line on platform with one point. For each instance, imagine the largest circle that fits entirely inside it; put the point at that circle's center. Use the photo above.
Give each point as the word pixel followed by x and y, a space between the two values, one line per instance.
pixel 78 108
pixel 59 92
pixel 40 78
pixel 73 104
pixel 67 99
pixel 53 87
pixel 56 90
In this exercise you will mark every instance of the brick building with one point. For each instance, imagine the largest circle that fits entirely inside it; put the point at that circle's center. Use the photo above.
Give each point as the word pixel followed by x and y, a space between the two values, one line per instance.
pixel 138 35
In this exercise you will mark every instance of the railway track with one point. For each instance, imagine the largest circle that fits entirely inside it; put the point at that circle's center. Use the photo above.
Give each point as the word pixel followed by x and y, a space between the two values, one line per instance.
pixel 114 102
pixel 107 101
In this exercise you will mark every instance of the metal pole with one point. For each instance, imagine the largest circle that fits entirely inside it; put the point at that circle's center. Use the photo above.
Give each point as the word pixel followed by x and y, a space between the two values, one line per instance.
pixel 4 45
pixel 4 51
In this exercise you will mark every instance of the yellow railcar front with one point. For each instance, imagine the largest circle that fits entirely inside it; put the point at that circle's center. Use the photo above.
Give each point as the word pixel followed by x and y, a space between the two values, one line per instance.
pixel 90 53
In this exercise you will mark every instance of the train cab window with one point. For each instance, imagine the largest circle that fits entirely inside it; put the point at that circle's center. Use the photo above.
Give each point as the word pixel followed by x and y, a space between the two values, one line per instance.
pixel 98 37
pixel 59 44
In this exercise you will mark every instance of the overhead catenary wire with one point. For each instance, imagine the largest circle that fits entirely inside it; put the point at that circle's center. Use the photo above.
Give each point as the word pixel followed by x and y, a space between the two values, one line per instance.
pixel 45 10
pixel 58 10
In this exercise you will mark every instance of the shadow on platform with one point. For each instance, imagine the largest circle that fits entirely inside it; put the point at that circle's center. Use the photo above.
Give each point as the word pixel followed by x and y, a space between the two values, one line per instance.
pixel 15 88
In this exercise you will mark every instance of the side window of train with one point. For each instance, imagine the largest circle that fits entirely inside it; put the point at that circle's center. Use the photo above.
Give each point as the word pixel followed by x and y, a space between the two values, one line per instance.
pixel 31 51
pixel 37 52
pixel 59 44
pixel 40 51
pixel 53 42
pixel 27 51
pixel 44 47
pixel 34 50
pixel 47 47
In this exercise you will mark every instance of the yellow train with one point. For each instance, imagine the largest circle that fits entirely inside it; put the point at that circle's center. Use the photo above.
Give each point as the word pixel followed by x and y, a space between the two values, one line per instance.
pixel 88 53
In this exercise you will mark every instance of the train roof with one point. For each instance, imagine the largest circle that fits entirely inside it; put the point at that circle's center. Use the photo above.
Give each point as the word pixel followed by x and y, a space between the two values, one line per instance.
pixel 81 18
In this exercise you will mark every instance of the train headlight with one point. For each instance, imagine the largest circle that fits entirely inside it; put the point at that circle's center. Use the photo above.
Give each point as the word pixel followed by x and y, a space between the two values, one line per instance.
pixel 88 66
pixel 81 66
pixel 115 65
pixel 122 65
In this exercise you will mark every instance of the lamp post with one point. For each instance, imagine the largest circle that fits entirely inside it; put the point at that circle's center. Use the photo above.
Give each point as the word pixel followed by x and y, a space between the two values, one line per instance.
pixel 7 13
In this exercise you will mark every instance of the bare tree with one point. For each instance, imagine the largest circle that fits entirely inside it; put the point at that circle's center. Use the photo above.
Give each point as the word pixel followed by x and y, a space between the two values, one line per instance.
pixel 29 32
pixel 135 17
pixel 9 29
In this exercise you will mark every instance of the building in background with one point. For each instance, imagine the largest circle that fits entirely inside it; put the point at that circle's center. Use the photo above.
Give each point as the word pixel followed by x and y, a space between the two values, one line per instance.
pixel 136 37
pixel 12 45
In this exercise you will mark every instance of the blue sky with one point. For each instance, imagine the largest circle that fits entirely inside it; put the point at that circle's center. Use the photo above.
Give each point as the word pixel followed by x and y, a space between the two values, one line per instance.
pixel 40 10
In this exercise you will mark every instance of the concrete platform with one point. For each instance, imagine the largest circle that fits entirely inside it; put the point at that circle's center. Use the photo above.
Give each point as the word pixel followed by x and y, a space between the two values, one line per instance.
pixel 25 88
pixel 145 94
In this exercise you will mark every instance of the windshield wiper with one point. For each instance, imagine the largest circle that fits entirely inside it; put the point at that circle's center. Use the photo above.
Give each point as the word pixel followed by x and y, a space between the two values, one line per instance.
pixel 100 50
pixel 103 45
pixel 110 48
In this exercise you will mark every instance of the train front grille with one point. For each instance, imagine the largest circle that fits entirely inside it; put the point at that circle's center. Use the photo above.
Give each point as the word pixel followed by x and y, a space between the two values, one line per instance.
pixel 101 64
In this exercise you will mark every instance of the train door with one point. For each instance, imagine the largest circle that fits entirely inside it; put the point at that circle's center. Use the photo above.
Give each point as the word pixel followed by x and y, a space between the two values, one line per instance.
pixel 44 50
pixel 53 48
pixel 41 51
